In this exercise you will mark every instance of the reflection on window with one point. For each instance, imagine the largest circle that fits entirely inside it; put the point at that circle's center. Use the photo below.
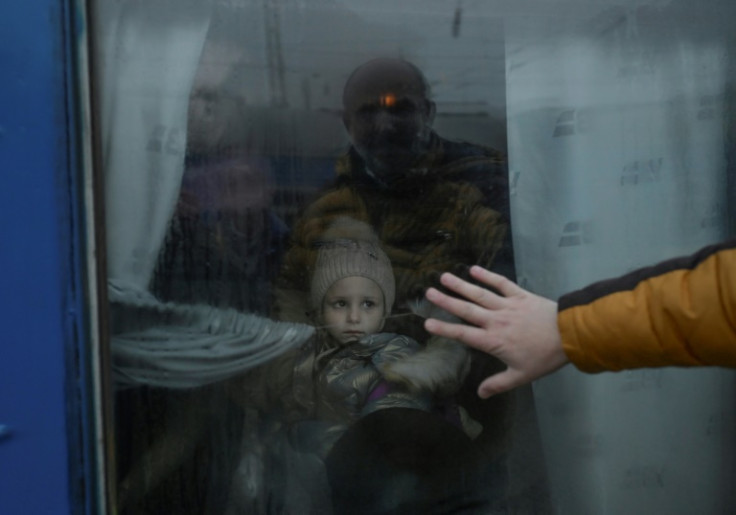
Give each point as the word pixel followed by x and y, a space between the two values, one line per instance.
pixel 284 180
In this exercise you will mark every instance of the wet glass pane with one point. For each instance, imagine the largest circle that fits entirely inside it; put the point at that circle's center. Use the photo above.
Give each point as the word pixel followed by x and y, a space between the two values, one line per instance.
pixel 284 179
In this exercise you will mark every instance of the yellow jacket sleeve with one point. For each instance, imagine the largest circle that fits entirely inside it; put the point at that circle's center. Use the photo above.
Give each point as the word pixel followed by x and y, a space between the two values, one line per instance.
pixel 681 312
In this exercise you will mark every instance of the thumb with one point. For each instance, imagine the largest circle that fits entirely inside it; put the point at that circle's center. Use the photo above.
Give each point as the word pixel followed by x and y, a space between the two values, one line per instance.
pixel 500 383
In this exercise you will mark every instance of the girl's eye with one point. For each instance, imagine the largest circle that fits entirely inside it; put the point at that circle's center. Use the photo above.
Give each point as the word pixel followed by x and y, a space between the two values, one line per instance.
pixel 369 303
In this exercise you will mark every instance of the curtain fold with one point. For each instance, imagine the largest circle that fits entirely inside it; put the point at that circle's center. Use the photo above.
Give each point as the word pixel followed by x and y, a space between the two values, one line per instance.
pixel 175 346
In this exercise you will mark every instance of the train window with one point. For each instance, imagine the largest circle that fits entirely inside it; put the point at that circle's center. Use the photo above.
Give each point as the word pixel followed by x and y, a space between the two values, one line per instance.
pixel 284 179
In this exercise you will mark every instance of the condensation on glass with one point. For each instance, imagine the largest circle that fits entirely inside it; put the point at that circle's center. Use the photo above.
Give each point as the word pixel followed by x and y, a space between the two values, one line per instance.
pixel 602 130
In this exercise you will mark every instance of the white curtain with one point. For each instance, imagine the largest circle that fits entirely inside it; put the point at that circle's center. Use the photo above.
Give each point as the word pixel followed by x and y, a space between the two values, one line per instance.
pixel 146 57
pixel 617 159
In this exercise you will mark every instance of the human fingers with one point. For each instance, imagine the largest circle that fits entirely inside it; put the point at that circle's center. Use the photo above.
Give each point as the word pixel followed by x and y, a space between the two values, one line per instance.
pixel 496 281
pixel 472 336
pixel 468 311
pixel 502 382
pixel 475 294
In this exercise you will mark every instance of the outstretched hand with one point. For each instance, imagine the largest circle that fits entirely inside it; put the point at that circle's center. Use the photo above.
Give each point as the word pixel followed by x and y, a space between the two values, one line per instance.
pixel 519 328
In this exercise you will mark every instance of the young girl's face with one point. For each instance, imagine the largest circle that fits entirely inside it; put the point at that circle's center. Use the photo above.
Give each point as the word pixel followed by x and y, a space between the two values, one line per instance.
pixel 353 307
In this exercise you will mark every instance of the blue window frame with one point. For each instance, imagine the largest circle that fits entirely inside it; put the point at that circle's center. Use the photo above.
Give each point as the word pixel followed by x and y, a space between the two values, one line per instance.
pixel 48 424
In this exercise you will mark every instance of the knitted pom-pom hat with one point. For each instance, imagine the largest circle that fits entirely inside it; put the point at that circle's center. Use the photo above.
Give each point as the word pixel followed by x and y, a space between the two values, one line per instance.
pixel 349 248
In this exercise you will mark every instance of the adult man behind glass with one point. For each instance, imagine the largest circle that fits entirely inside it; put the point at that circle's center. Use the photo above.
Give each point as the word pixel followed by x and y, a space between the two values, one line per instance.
pixel 434 204
pixel 397 164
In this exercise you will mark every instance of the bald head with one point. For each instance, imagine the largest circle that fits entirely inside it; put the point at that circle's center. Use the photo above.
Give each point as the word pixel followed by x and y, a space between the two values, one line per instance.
pixel 385 75
pixel 388 114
